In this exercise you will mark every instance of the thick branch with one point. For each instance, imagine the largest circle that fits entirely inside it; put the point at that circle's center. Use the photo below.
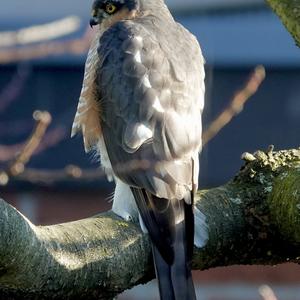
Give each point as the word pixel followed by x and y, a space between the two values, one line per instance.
pixel 254 219
pixel 289 13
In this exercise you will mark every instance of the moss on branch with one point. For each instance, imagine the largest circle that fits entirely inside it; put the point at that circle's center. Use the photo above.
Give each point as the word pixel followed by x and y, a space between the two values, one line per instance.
pixel 289 13
pixel 284 204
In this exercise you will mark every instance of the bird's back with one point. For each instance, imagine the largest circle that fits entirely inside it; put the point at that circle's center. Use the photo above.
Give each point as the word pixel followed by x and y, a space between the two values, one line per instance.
pixel 152 94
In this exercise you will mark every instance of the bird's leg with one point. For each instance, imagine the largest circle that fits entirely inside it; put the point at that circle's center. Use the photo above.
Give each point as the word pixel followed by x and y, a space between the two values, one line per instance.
pixel 201 229
pixel 124 203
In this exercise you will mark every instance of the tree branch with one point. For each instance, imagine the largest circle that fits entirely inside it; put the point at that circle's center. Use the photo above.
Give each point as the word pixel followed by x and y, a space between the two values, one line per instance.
pixel 17 166
pixel 253 219
pixel 289 13
pixel 237 104
pixel 50 48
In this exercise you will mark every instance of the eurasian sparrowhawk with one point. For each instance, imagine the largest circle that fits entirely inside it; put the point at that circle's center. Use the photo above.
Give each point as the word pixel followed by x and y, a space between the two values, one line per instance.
pixel 140 108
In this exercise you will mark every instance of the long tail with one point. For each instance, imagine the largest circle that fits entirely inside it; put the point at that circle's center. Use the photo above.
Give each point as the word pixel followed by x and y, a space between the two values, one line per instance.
pixel 170 224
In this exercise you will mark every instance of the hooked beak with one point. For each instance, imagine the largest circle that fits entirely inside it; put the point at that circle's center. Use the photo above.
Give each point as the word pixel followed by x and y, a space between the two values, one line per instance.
pixel 94 21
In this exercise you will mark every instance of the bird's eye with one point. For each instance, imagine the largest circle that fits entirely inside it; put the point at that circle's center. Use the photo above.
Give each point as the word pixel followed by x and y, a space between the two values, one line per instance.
pixel 110 8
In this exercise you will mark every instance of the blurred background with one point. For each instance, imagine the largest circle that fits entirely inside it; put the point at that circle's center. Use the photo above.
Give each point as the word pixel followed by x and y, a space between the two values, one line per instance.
pixel 43 46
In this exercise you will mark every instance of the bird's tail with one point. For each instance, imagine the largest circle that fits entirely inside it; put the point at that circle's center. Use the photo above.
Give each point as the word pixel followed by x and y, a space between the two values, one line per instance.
pixel 174 280
pixel 170 224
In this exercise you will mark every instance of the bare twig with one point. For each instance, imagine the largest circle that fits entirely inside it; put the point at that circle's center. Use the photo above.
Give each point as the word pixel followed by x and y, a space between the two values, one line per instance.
pixel 43 120
pixel 14 87
pixel 39 33
pixel 75 46
pixel 74 173
pixel 71 172
pixel 236 105
pixel 15 168
pixel 51 138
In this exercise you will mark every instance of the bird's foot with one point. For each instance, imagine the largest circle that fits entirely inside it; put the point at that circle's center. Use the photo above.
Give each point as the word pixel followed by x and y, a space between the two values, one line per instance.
pixel 125 215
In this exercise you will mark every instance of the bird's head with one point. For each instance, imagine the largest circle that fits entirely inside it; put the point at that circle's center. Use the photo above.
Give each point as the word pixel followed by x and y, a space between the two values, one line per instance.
pixel 107 12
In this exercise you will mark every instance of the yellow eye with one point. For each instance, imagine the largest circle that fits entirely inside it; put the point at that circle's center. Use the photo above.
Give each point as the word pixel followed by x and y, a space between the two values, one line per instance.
pixel 110 8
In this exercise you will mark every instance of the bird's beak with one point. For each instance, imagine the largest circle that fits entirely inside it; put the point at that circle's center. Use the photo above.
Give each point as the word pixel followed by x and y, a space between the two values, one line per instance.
pixel 94 21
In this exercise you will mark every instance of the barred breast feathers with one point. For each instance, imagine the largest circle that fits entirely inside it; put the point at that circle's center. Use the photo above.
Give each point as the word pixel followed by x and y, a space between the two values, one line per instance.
pixel 88 110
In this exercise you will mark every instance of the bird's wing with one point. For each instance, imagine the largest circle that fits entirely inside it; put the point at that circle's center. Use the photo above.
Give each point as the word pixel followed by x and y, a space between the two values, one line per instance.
pixel 152 95
pixel 87 115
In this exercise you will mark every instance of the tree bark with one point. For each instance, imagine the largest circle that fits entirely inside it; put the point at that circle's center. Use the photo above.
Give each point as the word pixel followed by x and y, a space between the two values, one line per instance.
pixel 253 219
pixel 289 13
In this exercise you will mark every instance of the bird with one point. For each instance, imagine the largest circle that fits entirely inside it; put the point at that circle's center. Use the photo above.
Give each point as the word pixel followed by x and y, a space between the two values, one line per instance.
pixel 140 109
